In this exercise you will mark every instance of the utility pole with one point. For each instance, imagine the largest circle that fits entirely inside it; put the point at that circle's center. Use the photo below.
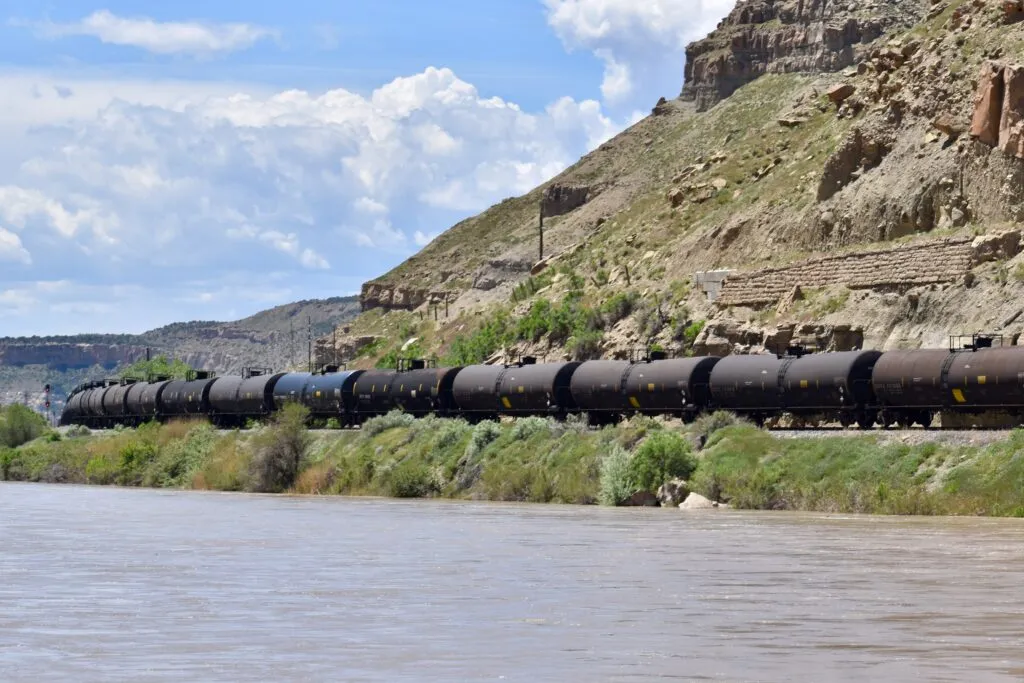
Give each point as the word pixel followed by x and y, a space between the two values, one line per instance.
pixel 309 343
pixel 291 344
pixel 334 346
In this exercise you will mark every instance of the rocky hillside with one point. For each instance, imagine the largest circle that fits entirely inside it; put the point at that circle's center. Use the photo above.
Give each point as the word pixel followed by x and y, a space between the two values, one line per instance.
pixel 855 165
pixel 273 338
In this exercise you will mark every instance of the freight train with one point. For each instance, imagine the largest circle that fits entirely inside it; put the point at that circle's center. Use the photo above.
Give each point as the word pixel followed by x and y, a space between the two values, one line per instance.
pixel 973 385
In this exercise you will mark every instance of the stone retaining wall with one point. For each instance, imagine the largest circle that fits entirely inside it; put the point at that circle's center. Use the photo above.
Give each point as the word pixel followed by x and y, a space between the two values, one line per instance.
pixel 947 260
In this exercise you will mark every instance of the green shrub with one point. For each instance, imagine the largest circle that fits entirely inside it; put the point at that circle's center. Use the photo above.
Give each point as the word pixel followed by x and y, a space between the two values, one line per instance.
pixel 20 424
pixel 103 468
pixel 333 423
pixel 159 366
pixel 577 423
pixel 410 480
pixel 617 308
pixel 663 456
pixel 180 459
pixel 279 450
pixel 136 456
pixel 525 427
pixel 78 431
pixel 484 434
pixel 382 423
pixel 585 345
pixel 687 332
pixel 616 477
pixel 450 434
pixel 709 423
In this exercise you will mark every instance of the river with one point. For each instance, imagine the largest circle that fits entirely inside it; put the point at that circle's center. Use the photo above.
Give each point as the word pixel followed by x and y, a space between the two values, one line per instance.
pixel 101 584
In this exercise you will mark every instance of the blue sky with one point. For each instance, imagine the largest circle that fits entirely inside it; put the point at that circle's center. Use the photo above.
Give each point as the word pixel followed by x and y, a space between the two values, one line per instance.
pixel 177 161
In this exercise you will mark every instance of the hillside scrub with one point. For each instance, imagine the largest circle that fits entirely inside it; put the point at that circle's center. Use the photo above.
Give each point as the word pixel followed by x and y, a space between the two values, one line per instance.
pixel 544 461
pixel 160 366
pixel 573 323
pixel 278 450
pixel 20 424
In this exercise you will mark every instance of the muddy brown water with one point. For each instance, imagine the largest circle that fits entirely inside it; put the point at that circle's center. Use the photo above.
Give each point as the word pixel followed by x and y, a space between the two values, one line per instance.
pixel 100 584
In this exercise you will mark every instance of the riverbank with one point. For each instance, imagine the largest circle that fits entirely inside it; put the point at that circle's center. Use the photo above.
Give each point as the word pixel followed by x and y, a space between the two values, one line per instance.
pixel 538 460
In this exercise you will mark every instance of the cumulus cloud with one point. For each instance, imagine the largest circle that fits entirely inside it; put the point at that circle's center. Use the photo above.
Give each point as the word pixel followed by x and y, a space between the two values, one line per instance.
pixel 11 248
pixel 170 37
pixel 422 239
pixel 326 190
pixel 640 42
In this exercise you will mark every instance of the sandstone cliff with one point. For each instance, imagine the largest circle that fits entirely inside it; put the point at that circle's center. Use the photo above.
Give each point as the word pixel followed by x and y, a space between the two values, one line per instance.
pixel 787 36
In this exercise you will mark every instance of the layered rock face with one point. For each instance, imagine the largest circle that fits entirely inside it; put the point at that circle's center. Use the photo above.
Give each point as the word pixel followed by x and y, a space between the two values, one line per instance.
pixel 786 36
pixel 65 356
pixel 998 119
pixel 388 297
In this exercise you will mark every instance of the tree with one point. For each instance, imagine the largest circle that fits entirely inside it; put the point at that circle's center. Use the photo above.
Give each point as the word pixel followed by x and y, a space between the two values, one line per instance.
pixel 160 366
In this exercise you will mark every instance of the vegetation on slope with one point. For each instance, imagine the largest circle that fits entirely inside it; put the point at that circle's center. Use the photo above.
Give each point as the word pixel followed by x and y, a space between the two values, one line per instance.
pixel 160 366
pixel 20 424
pixel 539 460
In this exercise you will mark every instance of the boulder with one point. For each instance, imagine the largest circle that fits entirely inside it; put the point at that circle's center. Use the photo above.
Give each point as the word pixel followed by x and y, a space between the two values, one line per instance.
pixel 1012 11
pixel 988 104
pixel 695 501
pixel 643 499
pixel 838 94
pixel 672 493
pixel 949 125
pixel 998 247
pixel 676 197
pixel 1011 122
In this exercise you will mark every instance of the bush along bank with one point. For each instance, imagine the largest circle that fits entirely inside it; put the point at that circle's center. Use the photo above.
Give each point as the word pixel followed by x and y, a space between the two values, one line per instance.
pixel 643 461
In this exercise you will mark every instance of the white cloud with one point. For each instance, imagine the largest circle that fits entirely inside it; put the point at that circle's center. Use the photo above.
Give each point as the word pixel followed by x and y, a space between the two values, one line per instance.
pixel 171 37
pixel 20 206
pixel 422 239
pixel 11 248
pixel 367 205
pixel 328 189
pixel 638 40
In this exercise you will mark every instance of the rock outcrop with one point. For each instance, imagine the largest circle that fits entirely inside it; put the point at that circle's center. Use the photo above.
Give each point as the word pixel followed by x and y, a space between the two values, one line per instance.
pixel 988 104
pixel 727 337
pixel 389 297
pixel 672 493
pixel 786 36
pixel 561 199
pixel 998 118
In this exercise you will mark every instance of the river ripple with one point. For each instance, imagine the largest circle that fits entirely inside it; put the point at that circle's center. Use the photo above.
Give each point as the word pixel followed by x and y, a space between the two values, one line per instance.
pixel 109 584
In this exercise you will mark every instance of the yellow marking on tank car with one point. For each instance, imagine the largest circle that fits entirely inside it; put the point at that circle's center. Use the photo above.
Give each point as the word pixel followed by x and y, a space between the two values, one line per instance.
pixel 982 379
pixel 959 396
pixel 650 387
pixel 506 402
pixel 522 390
pixel 635 403
pixel 803 384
